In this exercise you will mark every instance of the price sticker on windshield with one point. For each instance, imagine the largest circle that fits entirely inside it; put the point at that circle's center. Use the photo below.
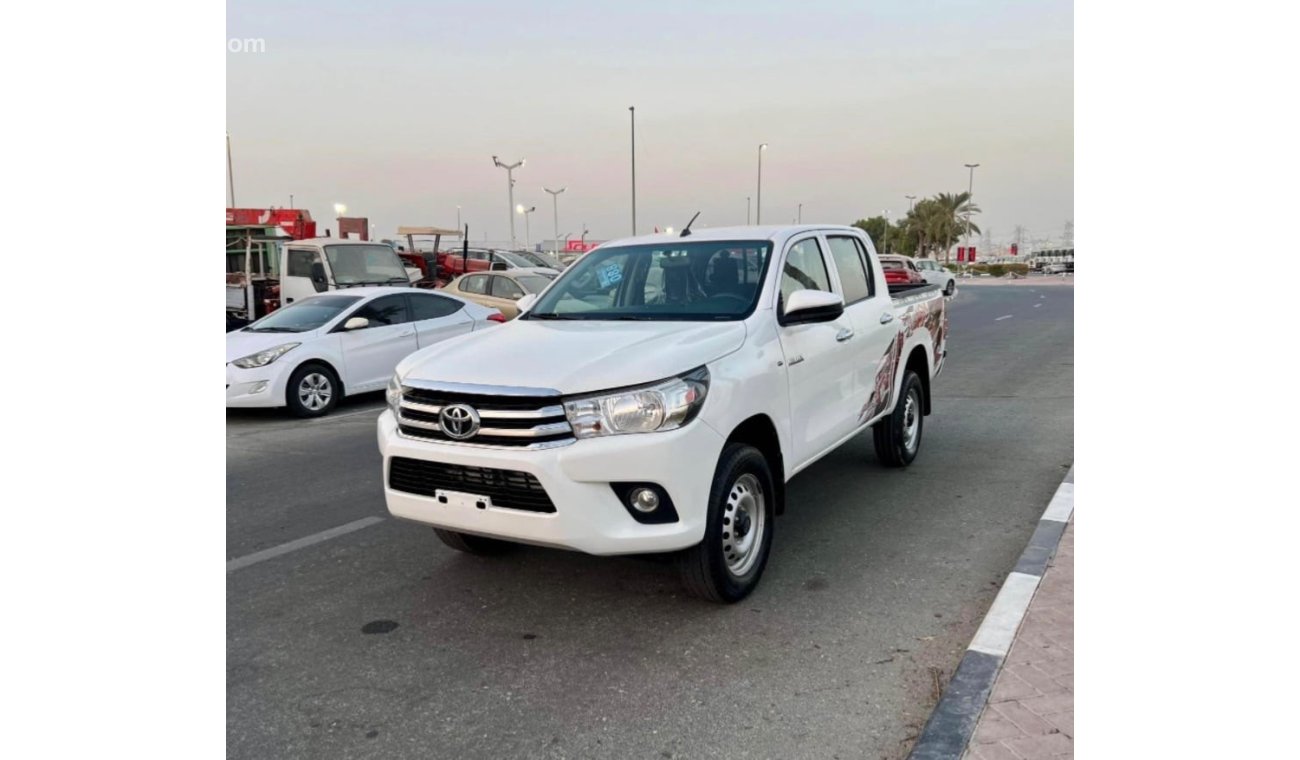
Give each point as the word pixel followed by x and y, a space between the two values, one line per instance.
pixel 610 274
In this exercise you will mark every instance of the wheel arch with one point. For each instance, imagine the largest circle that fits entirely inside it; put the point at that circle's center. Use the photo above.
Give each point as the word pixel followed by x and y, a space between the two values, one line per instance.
pixel 760 432
pixel 918 361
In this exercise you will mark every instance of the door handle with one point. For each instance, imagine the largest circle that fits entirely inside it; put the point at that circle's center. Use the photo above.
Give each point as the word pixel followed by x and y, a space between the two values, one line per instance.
pixel 288 300
pixel 843 335
pixel 887 317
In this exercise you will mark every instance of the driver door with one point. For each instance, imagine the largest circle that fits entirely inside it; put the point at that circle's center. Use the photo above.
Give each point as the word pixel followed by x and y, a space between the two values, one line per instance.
pixel 371 353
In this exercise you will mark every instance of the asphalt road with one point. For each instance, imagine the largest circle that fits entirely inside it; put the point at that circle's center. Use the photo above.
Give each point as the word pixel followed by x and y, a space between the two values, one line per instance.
pixel 877 582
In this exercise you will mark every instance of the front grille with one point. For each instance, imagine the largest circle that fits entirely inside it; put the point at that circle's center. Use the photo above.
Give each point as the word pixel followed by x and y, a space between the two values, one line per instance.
pixel 505 420
pixel 508 489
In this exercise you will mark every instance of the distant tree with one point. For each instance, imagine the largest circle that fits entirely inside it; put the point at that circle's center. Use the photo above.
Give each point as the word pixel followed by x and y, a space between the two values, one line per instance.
pixel 875 228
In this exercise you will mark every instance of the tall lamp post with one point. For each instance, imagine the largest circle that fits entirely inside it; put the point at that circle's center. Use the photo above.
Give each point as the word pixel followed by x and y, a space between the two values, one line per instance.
pixel 799 219
pixel 510 179
pixel 632 110
pixel 886 235
pixel 758 206
pixel 230 171
pixel 748 212
pixel 458 217
pixel 528 235
pixel 555 207
pixel 970 196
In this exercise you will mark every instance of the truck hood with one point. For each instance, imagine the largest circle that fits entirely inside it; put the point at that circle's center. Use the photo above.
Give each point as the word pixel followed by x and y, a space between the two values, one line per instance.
pixel 574 357
pixel 240 343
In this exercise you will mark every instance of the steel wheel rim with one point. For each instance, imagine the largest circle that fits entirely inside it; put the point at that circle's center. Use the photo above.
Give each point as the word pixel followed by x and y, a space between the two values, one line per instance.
pixel 744 524
pixel 912 420
pixel 315 391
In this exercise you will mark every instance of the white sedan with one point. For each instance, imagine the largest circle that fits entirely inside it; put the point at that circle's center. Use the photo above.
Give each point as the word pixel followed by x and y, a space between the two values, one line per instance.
pixel 307 355
pixel 935 274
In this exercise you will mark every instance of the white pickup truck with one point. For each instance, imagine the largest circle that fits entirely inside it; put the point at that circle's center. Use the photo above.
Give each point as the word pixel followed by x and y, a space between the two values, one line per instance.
pixel 658 396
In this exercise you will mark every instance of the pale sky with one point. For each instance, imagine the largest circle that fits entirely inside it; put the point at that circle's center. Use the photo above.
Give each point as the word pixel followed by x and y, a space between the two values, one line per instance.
pixel 396 108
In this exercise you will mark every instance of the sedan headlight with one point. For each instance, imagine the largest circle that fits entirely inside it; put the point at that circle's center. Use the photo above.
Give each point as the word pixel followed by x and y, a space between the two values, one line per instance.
pixel 663 406
pixel 394 393
pixel 263 358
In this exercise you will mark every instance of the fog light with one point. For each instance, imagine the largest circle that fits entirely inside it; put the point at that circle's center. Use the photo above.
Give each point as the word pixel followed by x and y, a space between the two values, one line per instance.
pixel 645 500
pixel 258 387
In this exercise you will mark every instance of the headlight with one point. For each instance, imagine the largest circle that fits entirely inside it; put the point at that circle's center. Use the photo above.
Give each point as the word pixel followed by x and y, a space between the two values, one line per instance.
pixel 663 406
pixel 263 358
pixel 394 393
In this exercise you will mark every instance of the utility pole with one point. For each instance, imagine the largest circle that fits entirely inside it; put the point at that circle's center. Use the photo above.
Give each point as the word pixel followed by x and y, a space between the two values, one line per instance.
pixel 758 211
pixel 799 219
pixel 970 198
pixel 632 110
pixel 555 208
pixel 230 171
pixel 510 179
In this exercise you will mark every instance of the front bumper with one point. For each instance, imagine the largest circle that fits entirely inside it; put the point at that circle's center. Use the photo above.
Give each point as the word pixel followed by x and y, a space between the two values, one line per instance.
pixel 258 387
pixel 588 516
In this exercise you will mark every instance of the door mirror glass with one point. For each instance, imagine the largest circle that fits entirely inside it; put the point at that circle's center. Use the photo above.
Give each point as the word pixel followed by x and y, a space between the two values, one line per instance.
pixel 318 280
pixel 356 323
pixel 526 301
pixel 806 306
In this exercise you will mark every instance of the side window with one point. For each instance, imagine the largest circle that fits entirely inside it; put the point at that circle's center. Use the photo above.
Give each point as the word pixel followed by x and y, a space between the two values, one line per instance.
pixel 300 261
pixel 387 310
pixel 804 269
pixel 428 306
pixel 849 263
pixel 504 287
pixel 476 283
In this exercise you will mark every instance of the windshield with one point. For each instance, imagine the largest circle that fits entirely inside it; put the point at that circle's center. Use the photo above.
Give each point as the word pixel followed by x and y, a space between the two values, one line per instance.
pixel 365 265
pixel 514 259
pixel 683 281
pixel 309 314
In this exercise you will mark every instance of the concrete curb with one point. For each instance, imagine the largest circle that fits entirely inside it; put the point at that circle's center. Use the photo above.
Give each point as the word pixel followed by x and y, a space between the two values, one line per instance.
pixel 953 721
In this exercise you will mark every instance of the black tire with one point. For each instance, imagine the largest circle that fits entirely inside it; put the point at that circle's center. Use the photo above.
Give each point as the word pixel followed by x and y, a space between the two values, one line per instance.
pixel 471 544
pixel 301 404
pixel 893 445
pixel 952 288
pixel 742 489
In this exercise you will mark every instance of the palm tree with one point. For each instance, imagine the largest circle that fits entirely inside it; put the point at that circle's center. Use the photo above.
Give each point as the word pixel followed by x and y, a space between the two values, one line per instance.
pixel 953 218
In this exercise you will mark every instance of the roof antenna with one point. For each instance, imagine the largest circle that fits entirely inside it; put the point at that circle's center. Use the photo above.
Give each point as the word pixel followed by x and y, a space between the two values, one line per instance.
pixel 686 231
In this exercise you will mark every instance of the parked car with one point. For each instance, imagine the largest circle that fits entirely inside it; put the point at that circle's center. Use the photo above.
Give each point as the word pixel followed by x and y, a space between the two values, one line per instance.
pixel 307 355
pixel 658 396
pixel 901 270
pixel 500 290
pixel 935 274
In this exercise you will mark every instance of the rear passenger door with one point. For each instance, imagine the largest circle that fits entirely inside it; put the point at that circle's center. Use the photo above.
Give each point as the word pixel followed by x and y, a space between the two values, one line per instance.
pixel 437 318
pixel 819 358
pixel 870 308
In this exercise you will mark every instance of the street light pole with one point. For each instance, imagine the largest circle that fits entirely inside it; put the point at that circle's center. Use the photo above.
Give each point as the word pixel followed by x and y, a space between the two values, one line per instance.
pixel 458 217
pixel 632 110
pixel 230 171
pixel 800 218
pixel 758 206
pixel 886 235
pixel 748 199
pixel 528 235
pixel 555 207
pixel 970 196
pixel 510 179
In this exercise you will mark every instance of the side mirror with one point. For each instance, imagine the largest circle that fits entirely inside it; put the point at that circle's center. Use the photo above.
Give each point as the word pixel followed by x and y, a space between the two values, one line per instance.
pixel 318 280
pixel 356 323
pixel 526 301
pixel 413 274
pixel 808 306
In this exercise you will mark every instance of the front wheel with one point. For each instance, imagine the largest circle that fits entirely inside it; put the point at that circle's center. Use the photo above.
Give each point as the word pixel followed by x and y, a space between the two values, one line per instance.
pixel 952 288
pixel 727 564
pixel 312 391
pixel 898 436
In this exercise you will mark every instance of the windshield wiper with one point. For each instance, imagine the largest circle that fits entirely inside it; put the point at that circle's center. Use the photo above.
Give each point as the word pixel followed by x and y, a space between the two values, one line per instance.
pixel 398 279
pixel 551 315
pixel 271 329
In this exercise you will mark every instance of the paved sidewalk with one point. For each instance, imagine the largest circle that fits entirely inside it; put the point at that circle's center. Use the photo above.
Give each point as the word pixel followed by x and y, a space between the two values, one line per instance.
pixel 1030 713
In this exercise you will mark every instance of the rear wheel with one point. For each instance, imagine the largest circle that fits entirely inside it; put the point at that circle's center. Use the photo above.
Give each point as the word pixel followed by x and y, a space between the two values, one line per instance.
pixel 728 563
pixel 312 391
pixel 898 436
pixel 471 544
pixel 952 288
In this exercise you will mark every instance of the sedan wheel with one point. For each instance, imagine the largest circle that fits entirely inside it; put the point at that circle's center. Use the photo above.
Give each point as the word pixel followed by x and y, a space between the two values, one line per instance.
pixel 312 391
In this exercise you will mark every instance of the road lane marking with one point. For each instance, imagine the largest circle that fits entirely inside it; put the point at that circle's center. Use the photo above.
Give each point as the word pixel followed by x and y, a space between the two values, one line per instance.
pixel 275 551
pixel 1007 316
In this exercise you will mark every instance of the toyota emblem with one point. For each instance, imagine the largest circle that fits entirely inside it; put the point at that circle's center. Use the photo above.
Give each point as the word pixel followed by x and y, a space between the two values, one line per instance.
pixel 459 421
